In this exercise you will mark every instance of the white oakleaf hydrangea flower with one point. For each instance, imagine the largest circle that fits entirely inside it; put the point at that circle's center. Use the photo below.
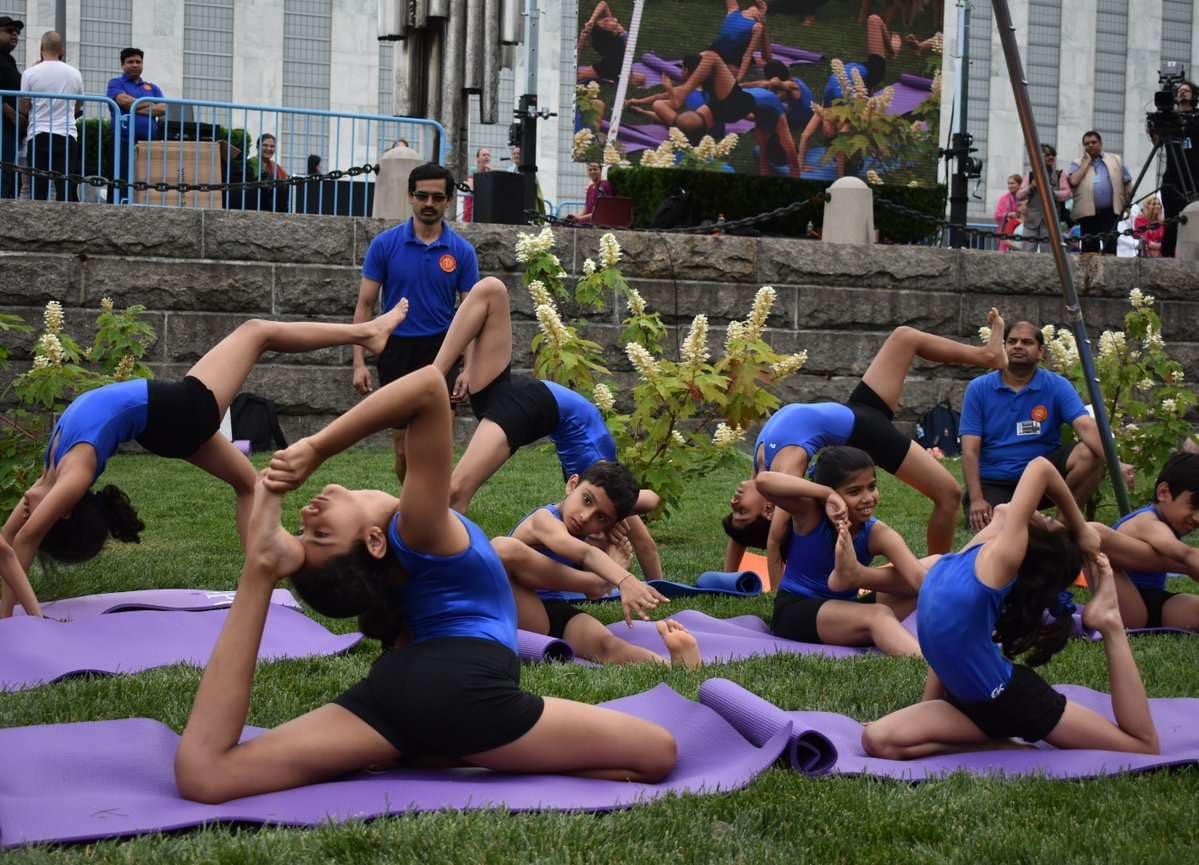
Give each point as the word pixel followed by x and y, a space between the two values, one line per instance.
pixel 1063 350
pixel 1047 333
pixel 984 334
pixel 636 302
pixel 41 362
pixel 725 436
pixel 1169 405
pixel 612 155
pixel 588 267
pixel 49 346
pixel 873 179
pixel 763 301
pixel 1111 344
pixel 735 331
pixel 678 139
pixel 695 346
pixel 1139 299
pixel 551 325
pixel 603 398
pixel 124 369
pixel 106 304
pixel 583 140
pixel 677 438
pixel 1175 376
pixel 53 317
pixel 539 293
pixel 593 89
pixel 641 360
pixel 726 145
pixel 789 365
pixel 1145 384
pixel 1154 341
pixel 609 251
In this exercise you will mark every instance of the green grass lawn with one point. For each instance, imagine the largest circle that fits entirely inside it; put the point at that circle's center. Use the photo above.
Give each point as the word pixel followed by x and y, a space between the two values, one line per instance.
pixel 190 542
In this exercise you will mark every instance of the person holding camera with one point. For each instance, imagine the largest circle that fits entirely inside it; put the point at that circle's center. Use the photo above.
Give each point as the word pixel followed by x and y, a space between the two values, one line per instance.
pixel 1174 189
pixel 1034 221
pixel 1102 187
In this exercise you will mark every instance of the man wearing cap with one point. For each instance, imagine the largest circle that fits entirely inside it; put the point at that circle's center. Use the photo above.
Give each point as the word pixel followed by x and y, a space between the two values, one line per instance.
pixel 10 119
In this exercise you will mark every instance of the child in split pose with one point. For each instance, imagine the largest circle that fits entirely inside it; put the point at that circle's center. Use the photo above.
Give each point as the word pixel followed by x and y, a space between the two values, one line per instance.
pixel 514 411
pixel 984 607
pixel 834 536
pixel 795 432
pixel 595 501
pixel 1173 513
pixel 64 518
pixel 449 687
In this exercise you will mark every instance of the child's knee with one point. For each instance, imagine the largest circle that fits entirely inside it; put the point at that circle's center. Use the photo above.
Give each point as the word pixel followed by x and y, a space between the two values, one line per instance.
pixel 876 742
pixel 661 754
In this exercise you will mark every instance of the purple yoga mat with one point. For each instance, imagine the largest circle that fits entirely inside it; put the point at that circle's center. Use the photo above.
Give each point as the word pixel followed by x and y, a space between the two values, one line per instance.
pixel 39 651
pixel 538 648
pixel 794 56
pixel 910 93
pixel 110 779
pixel 823 743
pixel 183 600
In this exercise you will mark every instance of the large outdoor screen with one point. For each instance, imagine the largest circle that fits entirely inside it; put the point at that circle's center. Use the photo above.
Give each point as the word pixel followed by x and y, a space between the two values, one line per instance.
pixel 808 88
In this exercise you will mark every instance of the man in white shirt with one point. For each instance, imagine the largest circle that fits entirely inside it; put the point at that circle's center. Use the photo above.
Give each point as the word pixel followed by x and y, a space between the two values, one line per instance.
pixel 50 141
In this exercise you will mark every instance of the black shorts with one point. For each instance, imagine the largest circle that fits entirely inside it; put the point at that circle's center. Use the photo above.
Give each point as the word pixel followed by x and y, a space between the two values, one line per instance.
pixel 404 354
pixel 445 698
pixel 559 614
pixel 1028 708
pixel 1000 492
pixel 180 417
pixel 609 65
pixel 873 431
pixel 1155 600
pixel 795 615
pixel 522 407
pixel 736 106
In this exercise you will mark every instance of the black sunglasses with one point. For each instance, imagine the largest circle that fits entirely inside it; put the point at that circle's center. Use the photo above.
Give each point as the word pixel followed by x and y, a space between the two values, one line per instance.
pixel 436 197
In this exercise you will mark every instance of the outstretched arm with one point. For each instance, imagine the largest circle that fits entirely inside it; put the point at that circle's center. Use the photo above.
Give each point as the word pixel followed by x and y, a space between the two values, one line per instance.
pixel 783 130
pixel 644 547
pixel 733 554
pixel 805 137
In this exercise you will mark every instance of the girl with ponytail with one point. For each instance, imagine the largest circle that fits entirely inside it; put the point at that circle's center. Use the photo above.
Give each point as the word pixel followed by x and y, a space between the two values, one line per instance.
pixel 984 607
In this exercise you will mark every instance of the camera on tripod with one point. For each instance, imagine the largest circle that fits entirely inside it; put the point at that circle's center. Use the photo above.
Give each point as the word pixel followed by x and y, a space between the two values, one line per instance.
pixel 1165 120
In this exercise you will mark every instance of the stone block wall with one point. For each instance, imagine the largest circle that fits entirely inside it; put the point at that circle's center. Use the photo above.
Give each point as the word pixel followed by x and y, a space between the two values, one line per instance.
pixel 200 273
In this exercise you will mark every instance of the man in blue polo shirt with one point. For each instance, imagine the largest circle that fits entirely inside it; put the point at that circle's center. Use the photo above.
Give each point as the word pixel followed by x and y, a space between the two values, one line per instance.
pixel 425 261
pixel 1013 416
pixel 128 87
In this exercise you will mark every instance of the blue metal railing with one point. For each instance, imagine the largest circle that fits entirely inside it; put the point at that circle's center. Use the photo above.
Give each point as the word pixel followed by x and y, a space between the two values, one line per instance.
pixel 566 208
pixel 341 140
pixel 76 144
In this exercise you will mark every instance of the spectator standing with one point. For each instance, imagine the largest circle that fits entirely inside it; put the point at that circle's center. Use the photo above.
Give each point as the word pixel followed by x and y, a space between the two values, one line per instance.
pixel 1173 197
pixel 482 166
pixel 128 87
pixel 314 165
pixel 514 163
pixel 1006 210
pixel 52 139
pixel 1034 222
pixel 597 189
pixel 265 167
pixel 422 260
pixel 1010 417
pixel 10 118
pixel 1149 231
pixel 1102 186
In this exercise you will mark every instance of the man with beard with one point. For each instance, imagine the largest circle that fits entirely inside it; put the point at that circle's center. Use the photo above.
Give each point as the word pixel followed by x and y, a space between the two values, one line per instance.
pixel 1012 416
pixel 425 261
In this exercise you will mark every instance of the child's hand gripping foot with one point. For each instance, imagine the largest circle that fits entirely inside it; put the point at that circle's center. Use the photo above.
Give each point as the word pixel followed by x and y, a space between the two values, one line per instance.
pixel 684 650
pixel 847 569
pixel 384 325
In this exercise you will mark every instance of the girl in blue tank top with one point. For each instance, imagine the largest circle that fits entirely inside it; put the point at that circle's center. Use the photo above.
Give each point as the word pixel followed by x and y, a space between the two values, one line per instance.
pixel 1159 527
pixel 795 432
pixel 984 607
pixel 834 538
pixel 742 32
pixel 63 517
pixel 426 581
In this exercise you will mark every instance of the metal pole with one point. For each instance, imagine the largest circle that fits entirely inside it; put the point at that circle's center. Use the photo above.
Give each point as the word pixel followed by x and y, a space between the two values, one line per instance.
pixel 60 18
pixel 489 98
pixel 959 195
pixel 473 72
pixel 1015 68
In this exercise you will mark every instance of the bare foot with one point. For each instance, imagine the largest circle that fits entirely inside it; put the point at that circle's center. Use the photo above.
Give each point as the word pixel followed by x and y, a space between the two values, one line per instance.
pixel 847 568
pixel 997 354
pixel 1102 612
pixel 383 327
pixel 684 651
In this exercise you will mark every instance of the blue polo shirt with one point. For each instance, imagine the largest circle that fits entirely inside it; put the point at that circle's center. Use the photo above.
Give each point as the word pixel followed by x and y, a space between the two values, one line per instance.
pixel 143 125
pixel 429 276
pixel 1016 427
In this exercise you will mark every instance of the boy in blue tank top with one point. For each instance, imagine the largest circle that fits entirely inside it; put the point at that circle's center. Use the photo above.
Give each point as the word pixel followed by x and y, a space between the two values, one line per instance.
pixel 1162 524
pixel 984 607
pixel 514 411
pixel 427 581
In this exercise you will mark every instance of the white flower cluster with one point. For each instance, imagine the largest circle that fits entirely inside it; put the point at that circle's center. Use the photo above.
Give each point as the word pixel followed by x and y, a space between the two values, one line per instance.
pixel 1063 351
pixel 603 398
pixel 984 334
pixel 763 301
pixel 726 436
pixel 1047 333
pixel 938 46
pixel 726 145
pixel 642 360
pixel 551 325
pixel 613 156
pixel 1175 377
pixel 50 348
pixel 1154 341
pixel 872 177
pixel 106 304
pixel 678 139
pixel 529 246
pixel 842 78
pixel 1145 384
pixel 609 251
pixel 1139 299
pixel 677 438
pixel 539 293
pixel 882 101
pixel 124 368
pixel 1111 344
pixel 593 89
pixel 860 90
pixel 695 347
pixel 53 317
pixel 588 267
pixel 706 149
pixel 789 365
pixel 663 157
pixel 936 88
pixel 583 140
pixel 636 302
pixel 1169 405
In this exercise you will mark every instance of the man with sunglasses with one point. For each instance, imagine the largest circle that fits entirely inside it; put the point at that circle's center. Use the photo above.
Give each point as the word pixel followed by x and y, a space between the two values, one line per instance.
pixel 422 260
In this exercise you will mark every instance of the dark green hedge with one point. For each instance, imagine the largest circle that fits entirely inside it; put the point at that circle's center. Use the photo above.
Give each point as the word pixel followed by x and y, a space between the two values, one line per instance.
pixel 740 195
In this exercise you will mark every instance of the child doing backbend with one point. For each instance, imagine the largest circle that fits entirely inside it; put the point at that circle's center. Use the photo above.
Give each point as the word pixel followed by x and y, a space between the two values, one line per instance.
pixel 816 602
pixel 64 518
pixel 595 501
pixel 993 594
pixel 795 432
pixel 449 687
pixel 514 411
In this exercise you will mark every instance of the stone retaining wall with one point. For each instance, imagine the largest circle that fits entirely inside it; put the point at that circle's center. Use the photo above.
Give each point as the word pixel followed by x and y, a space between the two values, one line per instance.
pixel 200 273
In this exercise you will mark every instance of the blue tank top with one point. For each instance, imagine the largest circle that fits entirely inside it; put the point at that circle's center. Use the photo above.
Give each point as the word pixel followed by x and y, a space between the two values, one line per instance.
pixel 696 100
pixel 799 111
pixel 103 418
pixel 581 436
pixel 547 594
pixel 811 558
pixel 810 426
pixel 832 90
pixel 1146 579
pixel 768 108
pixel 735 32
pixel 957 617
pixel 465 595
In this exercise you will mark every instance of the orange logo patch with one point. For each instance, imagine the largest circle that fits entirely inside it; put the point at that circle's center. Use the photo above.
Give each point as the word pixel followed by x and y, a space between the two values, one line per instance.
pixel 1040 414
pixel 448 263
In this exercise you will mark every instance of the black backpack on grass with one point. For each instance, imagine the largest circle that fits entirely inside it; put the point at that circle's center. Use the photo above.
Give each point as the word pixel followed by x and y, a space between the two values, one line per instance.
pixel 939 428
pixel 255 419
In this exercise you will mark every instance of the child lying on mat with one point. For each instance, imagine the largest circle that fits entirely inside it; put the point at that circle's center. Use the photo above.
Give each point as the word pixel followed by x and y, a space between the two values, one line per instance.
pixel 450 687
pixel 596 502
pixel 1173 513
pixel 993 594
pixel 816 602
